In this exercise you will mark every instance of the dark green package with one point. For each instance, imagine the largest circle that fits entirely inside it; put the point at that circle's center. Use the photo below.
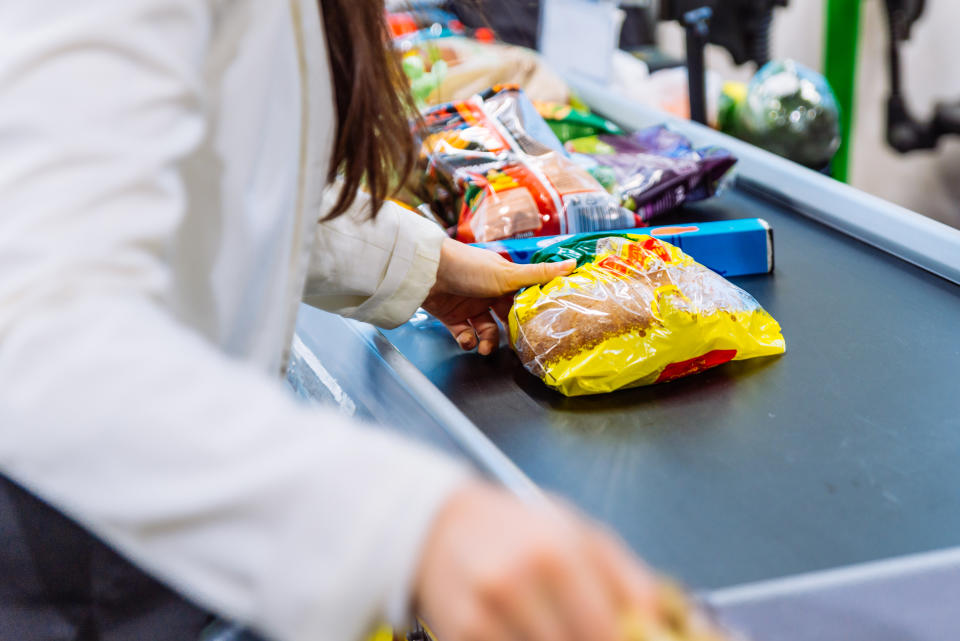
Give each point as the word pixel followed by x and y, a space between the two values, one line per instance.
pixel 569 123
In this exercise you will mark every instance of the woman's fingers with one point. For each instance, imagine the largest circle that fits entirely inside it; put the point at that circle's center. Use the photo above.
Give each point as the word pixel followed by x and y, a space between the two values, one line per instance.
pixel 633 586
pixel 534 616
pixel 479 331
pixel 536 274
pixel 584 600
pixel 501 307
pixel 545 578
pixel 463 333
pixel 488 332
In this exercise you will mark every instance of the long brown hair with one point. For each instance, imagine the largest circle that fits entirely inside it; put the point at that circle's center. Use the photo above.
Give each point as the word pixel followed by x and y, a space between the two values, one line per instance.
pixel 373 145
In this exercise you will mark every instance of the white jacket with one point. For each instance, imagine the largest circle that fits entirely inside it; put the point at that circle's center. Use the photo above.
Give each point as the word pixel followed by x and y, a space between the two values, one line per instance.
pixel 162 166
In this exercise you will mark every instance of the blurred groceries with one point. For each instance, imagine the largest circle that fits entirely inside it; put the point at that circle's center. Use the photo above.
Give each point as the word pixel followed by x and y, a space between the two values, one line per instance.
pixel 507 151
pixel 787 109
pixel 492 167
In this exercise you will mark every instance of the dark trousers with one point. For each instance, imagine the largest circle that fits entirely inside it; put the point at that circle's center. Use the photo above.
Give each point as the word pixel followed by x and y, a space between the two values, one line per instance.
pixel 60 583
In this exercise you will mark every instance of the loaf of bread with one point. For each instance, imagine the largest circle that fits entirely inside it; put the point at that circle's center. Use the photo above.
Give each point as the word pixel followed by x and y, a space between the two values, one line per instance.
pixel 636 311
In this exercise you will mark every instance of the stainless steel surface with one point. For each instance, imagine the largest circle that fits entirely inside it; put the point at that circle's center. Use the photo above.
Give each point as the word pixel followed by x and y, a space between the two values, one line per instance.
pixel 911 598
pixel 365 376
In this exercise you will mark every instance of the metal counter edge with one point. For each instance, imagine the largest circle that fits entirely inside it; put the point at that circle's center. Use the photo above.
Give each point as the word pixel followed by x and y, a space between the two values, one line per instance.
pixel 461 429
pixel 879 570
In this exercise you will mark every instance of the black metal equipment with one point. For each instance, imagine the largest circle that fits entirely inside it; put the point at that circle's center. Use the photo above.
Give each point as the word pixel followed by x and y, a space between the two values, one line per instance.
pixel 904 132
pixel 742 27
pixel 696 23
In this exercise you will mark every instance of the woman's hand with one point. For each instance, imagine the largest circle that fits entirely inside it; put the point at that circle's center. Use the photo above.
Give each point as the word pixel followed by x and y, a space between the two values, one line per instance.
pixel 471 282
pixel 495 569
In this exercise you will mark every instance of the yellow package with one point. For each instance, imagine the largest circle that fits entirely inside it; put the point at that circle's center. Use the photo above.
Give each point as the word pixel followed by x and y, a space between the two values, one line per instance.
pixel 636 311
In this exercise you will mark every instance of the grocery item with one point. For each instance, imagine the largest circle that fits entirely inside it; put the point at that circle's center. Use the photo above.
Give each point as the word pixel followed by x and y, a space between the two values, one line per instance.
pixel 680 619
pixel 728 247
pixel 493 169
pixel 636 311
pixel 655 169
pixel 569 123
pixel 790 110
pixel 471 67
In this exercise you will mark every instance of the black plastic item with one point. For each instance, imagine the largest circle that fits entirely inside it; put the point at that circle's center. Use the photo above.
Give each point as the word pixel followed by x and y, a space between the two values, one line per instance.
pixel 696 22
pixel 905 132
pixel 742 27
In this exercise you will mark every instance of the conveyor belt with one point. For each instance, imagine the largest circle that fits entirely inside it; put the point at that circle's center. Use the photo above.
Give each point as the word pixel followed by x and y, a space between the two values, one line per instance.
pixel 843 450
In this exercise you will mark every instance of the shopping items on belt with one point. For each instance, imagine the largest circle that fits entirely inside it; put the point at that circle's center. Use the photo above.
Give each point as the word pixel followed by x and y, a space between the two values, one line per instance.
pixel 787 109
pixel 634 312
pixel 655 169
pixel 456 68
pixel 729 247
pixel 414 19
pixel 569 123
pixel 494 169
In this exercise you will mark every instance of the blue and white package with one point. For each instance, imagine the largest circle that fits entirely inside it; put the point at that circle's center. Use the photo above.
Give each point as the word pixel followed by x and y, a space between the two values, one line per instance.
pixel 729 247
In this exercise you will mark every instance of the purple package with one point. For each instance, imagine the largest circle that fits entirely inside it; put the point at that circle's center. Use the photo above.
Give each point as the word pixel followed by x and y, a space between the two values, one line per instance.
pixel 653 170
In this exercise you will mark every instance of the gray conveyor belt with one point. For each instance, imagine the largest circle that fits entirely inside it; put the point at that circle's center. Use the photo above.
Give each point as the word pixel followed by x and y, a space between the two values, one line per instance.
pixel 843 450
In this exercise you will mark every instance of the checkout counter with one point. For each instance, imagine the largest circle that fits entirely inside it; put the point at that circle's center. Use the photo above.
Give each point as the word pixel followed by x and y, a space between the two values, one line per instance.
pixel 814 495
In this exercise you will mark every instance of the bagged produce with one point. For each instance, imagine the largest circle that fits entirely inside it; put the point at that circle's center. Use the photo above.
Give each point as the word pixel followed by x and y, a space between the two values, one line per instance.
pixel 654 169
pixel 636 311
pixel 493 169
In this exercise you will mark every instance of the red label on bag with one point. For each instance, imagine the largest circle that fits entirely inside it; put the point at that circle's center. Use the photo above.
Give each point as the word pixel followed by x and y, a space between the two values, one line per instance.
pixel 695 365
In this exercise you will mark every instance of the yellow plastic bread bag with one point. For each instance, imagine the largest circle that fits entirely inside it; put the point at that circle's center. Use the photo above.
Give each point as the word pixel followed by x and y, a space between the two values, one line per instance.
pixel 636 311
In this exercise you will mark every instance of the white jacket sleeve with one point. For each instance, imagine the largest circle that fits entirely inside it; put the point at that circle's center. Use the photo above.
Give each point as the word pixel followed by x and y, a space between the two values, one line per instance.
pixel 199 469
pixel 378 270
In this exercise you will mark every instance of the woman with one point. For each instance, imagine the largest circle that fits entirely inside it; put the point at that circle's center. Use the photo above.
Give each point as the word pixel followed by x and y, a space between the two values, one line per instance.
pixel 163 174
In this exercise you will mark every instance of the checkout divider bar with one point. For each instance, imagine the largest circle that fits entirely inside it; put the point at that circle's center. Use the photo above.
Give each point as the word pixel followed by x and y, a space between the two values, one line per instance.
pixel 910 236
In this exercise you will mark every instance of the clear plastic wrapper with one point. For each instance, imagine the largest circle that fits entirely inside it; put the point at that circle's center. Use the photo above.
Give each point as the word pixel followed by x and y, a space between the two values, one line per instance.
pixel 634 312
pixel 569 123
pixel 653 170
pixel 493 169
pixel 790 110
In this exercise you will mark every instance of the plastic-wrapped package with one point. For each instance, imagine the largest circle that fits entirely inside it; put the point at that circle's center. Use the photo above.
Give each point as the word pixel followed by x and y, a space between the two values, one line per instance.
pixel 493 169
pixel 569 123
pixel 655 169
pixel 634 312
pixel 790 110
pixel 729 247
pixel 455 68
